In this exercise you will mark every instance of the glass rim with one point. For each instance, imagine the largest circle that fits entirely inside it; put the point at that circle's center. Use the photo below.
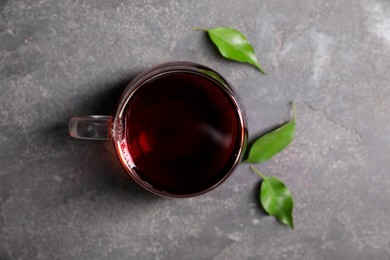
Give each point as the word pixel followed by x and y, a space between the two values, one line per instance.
pixel 118 126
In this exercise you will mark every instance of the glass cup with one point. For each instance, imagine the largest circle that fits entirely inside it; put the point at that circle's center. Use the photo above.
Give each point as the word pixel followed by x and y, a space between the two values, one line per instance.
pixel 178 129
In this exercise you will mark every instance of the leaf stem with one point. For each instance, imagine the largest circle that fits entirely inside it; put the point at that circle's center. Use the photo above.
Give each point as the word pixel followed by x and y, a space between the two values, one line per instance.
pixel 258 172
pixel 294 111
pixel 199 29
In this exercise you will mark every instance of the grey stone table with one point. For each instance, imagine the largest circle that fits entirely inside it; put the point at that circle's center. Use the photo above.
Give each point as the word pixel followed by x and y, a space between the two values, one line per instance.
pixel 62 198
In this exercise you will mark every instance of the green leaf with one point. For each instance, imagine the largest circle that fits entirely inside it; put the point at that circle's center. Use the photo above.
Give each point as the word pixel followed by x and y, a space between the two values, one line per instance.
pixel 270 144
pixel 276 200
pixel 232 44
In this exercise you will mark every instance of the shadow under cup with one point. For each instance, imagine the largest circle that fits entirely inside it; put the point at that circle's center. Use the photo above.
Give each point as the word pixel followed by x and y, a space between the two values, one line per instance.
pixel 178 130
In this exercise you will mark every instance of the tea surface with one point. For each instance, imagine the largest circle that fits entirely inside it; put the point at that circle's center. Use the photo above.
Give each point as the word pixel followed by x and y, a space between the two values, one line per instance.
pixel 182 130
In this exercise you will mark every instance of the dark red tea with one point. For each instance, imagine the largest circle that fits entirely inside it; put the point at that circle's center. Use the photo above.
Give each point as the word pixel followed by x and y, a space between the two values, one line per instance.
pixel 182 131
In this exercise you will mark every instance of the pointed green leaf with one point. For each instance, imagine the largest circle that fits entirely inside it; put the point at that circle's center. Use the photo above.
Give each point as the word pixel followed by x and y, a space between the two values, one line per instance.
pixel 270 144
pixel 277 201
pixel 232 44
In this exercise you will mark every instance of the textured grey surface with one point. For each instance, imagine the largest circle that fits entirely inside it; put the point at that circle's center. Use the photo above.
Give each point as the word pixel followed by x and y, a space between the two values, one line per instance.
pixel 70 199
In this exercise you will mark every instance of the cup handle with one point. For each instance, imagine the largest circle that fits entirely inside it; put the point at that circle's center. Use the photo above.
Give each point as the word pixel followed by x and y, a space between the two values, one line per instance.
pixel 90 127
